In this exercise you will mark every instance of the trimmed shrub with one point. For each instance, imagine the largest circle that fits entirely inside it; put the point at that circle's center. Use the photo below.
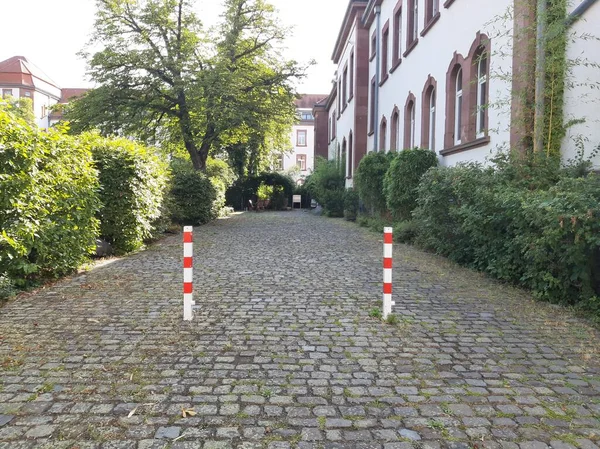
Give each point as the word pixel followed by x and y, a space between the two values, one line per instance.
pixel 192 195
pixel 402 179
pixel 405 231
pixel 134 183
pixel 368 180
pixel 275 187
pixel 350 204
pixel 222 177
pixel 48 203
pixel 547 240
pixel 327 185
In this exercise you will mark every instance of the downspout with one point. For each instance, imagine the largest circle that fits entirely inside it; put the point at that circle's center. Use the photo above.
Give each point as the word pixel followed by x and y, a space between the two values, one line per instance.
pixel 579 11
pixel 540 76
pixel 377 76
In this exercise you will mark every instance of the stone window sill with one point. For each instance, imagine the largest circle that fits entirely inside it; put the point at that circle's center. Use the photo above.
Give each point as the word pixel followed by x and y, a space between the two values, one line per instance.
pixel 431 23
pixel 466 146
pixel 410 47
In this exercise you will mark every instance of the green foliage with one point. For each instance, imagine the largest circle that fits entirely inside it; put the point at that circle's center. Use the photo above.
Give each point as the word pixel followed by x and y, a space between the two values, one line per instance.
pixel 7 288
pixel 327 185
pixel 368 180
pixel 350 204
pixel 48 203
pixel 275 187
pixel 375 312
pixel 134 182
pixel 391 319
pixel 221 177
pixel 405 231
pixel 545 239
pixel 192 194
pixel 402 179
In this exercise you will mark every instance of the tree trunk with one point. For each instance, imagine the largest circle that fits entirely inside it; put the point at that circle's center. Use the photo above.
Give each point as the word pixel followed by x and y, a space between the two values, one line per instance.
pixel 198 157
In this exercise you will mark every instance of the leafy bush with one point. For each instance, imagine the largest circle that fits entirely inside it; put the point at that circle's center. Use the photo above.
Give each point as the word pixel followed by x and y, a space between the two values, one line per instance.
pixel 48 203
pixel 368 180
pixel 222 177
pixel 276 187
pixel 402 179
pixel 134 185
pixel 547 240
pixel 327 185
pixel 192 195
pixel 350 204
pixel 405 231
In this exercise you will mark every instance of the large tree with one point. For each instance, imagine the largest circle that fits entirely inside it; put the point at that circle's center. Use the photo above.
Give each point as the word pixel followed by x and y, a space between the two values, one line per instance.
pixel 161 77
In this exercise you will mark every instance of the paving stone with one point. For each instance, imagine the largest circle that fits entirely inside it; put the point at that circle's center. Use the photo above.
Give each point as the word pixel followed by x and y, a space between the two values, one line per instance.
pixel 282 348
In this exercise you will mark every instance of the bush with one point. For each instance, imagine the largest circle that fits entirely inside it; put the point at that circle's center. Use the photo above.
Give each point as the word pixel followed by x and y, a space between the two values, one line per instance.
pixel 368 180
pixel 547 240
pixel 192 195
pixel 221 177
pixel 350 204
pixel 327 185
pixel 402 179
pixel 134 184
pixel 405 231
pixel 48 203
pixel 275 187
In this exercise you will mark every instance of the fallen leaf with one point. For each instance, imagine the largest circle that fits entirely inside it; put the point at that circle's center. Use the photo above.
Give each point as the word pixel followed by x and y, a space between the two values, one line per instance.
pixel 91 320
pixel 187 411
pixel 131 413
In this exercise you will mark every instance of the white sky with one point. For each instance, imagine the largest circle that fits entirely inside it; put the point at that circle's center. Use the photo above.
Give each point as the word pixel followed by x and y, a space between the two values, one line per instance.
pixel 50 33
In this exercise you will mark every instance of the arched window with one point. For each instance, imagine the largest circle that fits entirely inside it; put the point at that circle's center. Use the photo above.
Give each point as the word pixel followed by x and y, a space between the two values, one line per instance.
pixel 395 130
pixel 482 94
pixel 428 115
pixel 382 134
pixel 410 121
pixel 458 104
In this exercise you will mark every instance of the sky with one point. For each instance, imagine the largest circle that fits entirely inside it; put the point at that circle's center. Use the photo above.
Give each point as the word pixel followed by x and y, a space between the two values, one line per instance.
pixel 51 33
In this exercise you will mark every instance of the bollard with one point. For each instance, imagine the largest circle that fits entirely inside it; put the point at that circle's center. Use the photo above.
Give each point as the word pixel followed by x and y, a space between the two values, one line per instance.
pixel 188 273
pixel 387 272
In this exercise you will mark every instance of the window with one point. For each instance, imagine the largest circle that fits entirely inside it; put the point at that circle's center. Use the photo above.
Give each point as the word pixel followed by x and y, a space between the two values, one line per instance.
pixel 432 8
pixel 372 115
pixel 301 138
pixel 428 114
pixel 351 86
pixel 350 156
pixel 345 87
pixel 397 34
pixel 44 110
pixel 301 161
pixel 384 51
pixel 458 102
pixel 339 98
pixel 373 45
pixel 27 94
pixel 278 165
pixel 482 85
pixel 413 24
pixel 7 93
pixel 329 131
pixel 333 126
pixel 395 131
pixel 382 134
pixel 306 116
pixel 409 122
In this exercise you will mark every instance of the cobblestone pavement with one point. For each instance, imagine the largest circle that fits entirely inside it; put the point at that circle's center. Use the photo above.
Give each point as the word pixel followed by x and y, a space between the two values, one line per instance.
pixel 282 352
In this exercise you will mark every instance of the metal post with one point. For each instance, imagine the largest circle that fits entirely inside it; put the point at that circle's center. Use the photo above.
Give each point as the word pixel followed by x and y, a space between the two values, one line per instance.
pixel 188 273
pixel 387 272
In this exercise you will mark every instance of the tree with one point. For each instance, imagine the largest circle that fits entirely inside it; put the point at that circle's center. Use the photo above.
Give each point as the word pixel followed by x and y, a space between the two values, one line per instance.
pixel 161 79
pixel 19 107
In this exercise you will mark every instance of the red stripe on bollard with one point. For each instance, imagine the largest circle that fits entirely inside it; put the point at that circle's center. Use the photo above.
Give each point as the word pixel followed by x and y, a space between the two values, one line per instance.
pixel 387 289
pixel 388 238
pixel 187 262
pixel 187 237
pixel 187 287
pixel 387 262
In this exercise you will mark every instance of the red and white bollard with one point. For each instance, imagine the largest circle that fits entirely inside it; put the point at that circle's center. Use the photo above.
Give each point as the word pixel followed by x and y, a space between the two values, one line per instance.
pixel 387 272
pixel 188 273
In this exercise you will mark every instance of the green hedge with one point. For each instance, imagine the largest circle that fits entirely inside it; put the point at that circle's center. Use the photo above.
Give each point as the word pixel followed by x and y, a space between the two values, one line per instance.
pixel 547 240
pixel 351 200
pixel 402 179
pixel 326 185
pixel 368 180
pixel 192 194
pixel 134 185
pixel 48 204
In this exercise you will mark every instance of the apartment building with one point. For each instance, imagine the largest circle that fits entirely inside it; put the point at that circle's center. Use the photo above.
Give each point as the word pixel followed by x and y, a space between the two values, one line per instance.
pixel 453 76
pixel 20 78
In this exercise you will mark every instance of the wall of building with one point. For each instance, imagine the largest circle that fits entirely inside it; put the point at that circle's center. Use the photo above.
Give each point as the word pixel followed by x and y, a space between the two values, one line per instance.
pixel 453 34
pixel 582 98
pixel 290 158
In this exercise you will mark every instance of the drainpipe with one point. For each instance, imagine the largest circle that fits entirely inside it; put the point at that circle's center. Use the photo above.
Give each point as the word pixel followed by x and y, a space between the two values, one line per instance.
pixel 540 76
pixel 579 11
pixel 377 76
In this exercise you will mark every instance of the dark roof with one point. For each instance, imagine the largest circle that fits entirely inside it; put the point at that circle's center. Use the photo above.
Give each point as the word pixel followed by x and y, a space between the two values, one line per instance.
pixel 307 101
pixel 69 93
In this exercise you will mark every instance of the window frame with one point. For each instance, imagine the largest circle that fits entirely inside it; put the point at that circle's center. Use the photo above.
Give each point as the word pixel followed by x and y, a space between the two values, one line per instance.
pixel 301 162
pixel 429 113
pixel 395 130
pixel 481 104
pixel 458 106
pixel 385 37
pixel 382 134
pixel 412 21
pixel 300 132
pixel 397 41
pixel 410 121
pixel 351 78
pixel 345 86
pixel 372 117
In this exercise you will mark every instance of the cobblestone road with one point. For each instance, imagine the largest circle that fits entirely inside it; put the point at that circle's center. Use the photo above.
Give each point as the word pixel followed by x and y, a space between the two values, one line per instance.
pixel 282 352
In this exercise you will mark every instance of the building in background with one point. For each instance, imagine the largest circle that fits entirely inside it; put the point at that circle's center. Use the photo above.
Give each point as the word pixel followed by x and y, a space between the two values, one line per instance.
pixel 20 78
pixel 301 160
pixel 455 77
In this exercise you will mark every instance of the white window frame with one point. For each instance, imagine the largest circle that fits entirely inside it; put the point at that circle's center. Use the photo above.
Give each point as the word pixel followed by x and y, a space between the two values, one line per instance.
pixel 432 119
pixel 415 30
pixel 458 101
pixel 301 161
pixel 413 122
pixel 482 80
pixel 301 132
